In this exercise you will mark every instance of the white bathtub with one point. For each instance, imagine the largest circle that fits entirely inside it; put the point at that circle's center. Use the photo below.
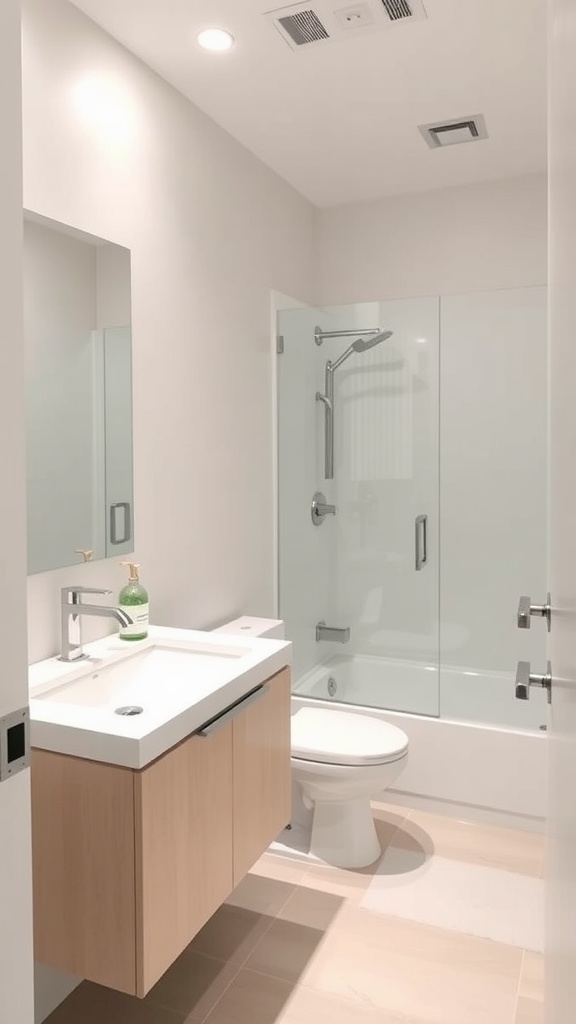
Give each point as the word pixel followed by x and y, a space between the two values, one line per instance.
pixel 499 762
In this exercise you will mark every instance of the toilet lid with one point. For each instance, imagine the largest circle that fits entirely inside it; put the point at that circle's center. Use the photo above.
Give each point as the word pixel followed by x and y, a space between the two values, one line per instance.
pixel 345 737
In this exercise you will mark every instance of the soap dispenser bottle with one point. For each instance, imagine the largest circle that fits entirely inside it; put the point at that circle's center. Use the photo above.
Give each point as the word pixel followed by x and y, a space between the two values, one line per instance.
pixel 133 599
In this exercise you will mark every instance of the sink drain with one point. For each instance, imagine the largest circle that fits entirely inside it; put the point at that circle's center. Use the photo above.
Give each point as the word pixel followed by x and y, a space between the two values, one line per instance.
pixel 130 709
pixel 332 686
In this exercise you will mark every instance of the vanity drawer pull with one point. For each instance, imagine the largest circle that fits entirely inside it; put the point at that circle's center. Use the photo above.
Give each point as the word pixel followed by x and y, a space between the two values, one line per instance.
pixel 232 711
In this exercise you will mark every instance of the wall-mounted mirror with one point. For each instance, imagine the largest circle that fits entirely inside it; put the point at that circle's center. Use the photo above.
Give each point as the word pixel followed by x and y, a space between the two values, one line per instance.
pixel 79 395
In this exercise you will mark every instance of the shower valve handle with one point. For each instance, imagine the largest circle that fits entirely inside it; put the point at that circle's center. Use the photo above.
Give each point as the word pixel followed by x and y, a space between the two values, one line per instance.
pixel 525 679
pixel 526 609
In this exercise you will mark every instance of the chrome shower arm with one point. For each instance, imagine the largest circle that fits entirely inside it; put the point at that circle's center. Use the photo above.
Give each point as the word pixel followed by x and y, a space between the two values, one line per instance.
pixel 319 334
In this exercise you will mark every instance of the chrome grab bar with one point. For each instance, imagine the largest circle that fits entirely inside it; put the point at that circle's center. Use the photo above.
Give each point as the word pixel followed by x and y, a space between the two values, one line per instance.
pixel 420 541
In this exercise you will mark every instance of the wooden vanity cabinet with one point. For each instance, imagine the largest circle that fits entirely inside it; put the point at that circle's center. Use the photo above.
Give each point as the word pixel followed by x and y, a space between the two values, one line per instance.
pixel 129 865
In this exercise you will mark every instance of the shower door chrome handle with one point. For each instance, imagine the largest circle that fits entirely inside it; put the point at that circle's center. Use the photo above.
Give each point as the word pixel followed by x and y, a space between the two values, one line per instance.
pixel 420 541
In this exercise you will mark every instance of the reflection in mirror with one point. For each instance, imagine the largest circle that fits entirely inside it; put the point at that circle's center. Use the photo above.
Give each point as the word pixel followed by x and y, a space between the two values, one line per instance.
pixel 79 395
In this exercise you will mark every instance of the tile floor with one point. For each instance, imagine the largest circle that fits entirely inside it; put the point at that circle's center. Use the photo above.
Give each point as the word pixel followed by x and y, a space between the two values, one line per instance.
pixel 308 944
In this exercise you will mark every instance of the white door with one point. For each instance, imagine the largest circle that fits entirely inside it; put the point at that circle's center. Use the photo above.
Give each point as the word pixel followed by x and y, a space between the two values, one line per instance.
pixel 16 986
pixel 560 997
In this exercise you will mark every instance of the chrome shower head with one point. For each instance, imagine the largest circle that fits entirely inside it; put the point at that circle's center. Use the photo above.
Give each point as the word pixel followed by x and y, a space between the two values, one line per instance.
pixel 363 344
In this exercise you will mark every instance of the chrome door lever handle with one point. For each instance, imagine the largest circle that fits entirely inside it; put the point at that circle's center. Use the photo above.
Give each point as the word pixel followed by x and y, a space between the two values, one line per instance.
pixel 526 609
pixel 525 679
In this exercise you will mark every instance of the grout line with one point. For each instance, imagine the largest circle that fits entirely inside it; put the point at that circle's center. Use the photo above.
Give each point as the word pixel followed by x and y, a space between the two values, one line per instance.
pixel 517 1000
pixel 241 965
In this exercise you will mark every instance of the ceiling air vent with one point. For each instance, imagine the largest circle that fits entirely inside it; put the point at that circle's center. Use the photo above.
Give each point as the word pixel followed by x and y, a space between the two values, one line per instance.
pixel 396 9
pixel 451 133
pixel 399 10
pixel 303 27
pixel 322 22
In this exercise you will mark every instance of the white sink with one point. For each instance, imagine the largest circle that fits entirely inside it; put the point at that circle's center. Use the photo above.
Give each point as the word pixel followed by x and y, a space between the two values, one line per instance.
pixel 156 677
pixel 128 703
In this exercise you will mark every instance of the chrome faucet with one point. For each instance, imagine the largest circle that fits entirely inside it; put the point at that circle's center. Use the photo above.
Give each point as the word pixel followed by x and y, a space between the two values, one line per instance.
pixel 72 610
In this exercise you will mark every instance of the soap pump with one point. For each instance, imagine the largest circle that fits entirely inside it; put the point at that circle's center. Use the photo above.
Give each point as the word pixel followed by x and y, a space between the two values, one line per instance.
pixel 133 599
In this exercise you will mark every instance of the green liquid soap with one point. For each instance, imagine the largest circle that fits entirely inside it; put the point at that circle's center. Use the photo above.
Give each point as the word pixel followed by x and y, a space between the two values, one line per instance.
pixel 133 599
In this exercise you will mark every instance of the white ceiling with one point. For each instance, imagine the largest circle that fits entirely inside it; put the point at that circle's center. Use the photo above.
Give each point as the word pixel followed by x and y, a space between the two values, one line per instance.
pixel 338 120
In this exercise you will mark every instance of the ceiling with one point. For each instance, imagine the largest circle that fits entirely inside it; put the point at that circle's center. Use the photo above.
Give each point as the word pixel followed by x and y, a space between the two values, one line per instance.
pixel 339 119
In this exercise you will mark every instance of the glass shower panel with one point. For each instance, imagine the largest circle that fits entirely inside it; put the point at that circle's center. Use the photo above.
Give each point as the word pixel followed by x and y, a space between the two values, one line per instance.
pixel 493 500
pixel 372 568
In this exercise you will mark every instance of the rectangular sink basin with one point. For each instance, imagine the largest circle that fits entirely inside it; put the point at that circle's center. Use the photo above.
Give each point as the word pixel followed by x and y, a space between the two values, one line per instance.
pixel 127 704
pixel 156 677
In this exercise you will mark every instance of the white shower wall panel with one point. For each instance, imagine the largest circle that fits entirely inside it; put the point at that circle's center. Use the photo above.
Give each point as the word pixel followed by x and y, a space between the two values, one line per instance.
pixel 493 442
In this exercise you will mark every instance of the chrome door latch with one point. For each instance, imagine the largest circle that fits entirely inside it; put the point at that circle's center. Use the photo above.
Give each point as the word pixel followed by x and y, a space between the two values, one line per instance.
pixel 526 610
pixel 525 679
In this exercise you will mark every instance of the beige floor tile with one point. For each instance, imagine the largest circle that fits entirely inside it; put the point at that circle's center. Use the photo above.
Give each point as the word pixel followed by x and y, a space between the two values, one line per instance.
pixel 348 885
pixel 257 999
pixel 282 869
pixel 488 845
pixel 92 1004
pixel 429 975
pixel 193 985
pixel 532 976
pixel 262 895
pixel 231 934
pixel 312 908
pixel 529 1011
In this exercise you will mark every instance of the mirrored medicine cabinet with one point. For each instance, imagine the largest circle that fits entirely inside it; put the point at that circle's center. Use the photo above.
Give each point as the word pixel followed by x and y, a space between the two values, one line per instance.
pixel 77 334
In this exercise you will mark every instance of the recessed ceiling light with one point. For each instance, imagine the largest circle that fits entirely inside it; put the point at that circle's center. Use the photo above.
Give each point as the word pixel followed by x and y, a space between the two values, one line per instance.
pixel 217 39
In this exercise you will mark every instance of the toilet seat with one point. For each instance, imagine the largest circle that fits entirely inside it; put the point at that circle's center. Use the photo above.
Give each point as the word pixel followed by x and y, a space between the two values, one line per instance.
pixel 326 736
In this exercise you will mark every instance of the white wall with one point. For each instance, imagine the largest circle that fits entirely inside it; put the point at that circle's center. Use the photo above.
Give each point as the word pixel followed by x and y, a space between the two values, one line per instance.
pixel 113 286
pixel 474 238
pixel 16 991
pixel 110 148
pixel 113 150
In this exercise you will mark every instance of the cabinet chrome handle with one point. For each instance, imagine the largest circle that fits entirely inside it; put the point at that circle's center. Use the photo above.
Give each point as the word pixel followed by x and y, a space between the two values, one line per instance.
pixel 421 541
pixel 231 712
pixel 114 538
pixel 526 609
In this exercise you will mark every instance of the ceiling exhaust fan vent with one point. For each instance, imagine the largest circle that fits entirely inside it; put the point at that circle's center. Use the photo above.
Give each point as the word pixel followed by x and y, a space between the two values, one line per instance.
pixel 396 9
pixel 451 133
pixel 303 27
pixel 400 10
pixel 325 22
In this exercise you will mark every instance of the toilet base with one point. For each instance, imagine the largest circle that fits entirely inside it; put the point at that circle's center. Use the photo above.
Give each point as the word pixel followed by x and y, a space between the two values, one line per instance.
pixel 344 834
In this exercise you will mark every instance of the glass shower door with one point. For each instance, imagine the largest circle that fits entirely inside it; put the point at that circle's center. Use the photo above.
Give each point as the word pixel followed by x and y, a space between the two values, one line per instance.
pixel 372 567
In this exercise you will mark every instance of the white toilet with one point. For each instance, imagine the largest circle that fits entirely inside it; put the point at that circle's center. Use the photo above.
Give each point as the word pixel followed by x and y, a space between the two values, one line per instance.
pixel 341 759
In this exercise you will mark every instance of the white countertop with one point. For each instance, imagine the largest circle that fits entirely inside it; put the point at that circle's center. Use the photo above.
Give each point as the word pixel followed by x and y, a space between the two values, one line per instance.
pixel 234 665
